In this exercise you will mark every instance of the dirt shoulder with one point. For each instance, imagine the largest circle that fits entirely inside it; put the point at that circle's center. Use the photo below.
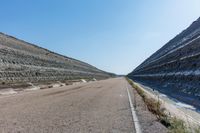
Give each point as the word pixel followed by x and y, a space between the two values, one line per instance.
pixel 191 117
pixel 148 121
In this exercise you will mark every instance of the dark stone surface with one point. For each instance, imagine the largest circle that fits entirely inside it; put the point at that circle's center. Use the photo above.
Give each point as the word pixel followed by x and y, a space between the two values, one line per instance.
pixel 22 62
pixel 175 68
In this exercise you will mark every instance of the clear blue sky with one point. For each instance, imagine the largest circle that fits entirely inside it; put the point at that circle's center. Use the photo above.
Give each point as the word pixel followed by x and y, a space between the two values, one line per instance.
pixel 113 35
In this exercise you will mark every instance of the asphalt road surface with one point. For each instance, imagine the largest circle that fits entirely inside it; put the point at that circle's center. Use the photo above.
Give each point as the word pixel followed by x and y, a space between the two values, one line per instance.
pixel 96 107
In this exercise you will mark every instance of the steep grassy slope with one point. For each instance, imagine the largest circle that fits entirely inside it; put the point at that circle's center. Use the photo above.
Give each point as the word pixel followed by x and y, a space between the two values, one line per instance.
pixel 24 62
pixel 175 68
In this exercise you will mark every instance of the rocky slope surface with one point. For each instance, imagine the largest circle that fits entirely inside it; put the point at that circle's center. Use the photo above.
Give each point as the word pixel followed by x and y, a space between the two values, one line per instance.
pixel 22 62
pixel 175 68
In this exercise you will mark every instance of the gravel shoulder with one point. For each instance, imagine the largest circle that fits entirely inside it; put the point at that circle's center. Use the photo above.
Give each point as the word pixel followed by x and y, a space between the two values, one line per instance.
pixel 176 108
pixel 147 120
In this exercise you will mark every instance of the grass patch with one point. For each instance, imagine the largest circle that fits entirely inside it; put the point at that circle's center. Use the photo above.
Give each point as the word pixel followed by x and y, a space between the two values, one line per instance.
pixel 154 105
pixel 177 126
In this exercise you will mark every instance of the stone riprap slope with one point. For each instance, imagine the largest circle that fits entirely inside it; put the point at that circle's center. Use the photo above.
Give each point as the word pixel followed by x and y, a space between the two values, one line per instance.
pixel 175 68
pixel 21 62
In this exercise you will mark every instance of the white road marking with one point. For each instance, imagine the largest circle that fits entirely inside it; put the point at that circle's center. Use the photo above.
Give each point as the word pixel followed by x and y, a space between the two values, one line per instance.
pixel 135 118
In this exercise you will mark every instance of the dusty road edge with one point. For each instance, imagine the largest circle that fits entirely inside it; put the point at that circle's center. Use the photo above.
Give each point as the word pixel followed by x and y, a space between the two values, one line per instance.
pixel 133 112
pixel 189 125
pixel 172 109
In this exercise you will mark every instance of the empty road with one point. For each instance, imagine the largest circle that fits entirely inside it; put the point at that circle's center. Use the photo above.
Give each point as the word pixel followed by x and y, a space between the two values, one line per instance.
pixel 95 107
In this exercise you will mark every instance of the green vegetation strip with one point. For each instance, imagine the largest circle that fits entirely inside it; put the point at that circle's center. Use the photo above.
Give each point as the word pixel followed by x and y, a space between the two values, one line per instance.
pixel 173 124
